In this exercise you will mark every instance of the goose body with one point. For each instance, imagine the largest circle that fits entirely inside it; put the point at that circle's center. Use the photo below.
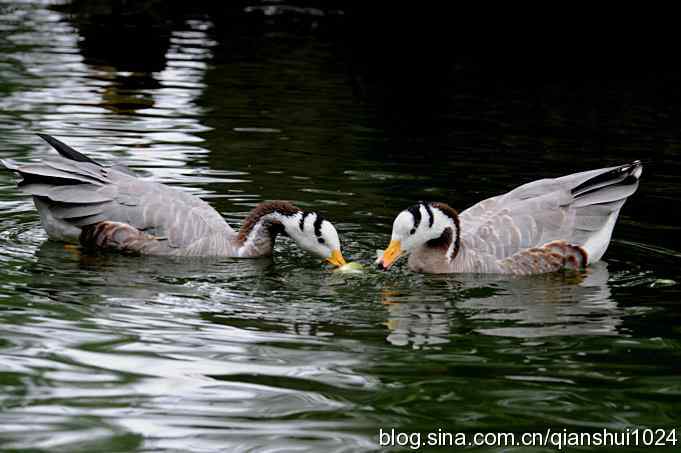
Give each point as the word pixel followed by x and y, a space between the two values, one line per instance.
pixel 81 201
pixel 541 226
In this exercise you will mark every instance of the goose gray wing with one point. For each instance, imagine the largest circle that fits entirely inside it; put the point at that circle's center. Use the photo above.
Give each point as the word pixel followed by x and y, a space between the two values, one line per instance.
pixel 164 212
pixel 73 192
pixel 580 208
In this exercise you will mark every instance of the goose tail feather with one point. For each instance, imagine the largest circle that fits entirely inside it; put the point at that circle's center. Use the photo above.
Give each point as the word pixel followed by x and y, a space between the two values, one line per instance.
pixel 66 151
pixel 597 203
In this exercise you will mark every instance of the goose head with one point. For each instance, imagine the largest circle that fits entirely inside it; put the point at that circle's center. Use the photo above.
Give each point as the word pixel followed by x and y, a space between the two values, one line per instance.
pixel 434 225
pixel 315 235
pixel 309 230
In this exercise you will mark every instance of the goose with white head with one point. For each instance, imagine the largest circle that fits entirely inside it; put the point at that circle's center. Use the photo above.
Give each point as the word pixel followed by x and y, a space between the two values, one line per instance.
pixel 542 226
pixel 108 207
pixel 309 230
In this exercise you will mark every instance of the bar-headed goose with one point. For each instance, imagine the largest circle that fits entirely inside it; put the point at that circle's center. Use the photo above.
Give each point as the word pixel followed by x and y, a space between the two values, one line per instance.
pixel 80 200
pixel 542 226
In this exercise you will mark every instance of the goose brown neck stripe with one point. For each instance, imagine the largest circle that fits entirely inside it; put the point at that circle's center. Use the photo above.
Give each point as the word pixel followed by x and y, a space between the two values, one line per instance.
pixel 263 209
pixel 443 241
pixel 452 214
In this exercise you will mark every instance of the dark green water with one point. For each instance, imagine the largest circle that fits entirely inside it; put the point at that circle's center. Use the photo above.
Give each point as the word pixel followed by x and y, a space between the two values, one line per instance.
pixel 109 353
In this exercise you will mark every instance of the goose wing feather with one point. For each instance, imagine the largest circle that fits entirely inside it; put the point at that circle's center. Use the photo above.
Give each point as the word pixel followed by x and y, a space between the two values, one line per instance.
pixel 79 191
pixel 573 208
pixel 166 212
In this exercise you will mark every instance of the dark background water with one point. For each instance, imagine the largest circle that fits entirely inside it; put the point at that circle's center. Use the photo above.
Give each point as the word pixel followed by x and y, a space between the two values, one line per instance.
pixel 357 112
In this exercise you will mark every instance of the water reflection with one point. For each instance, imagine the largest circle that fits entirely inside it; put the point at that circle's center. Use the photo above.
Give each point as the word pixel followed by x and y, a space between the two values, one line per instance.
pixel 129 37
pixel 144 116
pixel 540 306
pixel 570 304
pixel 413 322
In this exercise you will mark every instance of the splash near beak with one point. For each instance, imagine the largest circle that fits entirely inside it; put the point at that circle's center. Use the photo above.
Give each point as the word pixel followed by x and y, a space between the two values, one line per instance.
pixel 336 258
pixel 390 255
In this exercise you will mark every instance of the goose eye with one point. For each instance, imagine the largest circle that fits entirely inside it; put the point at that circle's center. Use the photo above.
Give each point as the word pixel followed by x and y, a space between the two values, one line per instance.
pixel 320 240
pixel 413 230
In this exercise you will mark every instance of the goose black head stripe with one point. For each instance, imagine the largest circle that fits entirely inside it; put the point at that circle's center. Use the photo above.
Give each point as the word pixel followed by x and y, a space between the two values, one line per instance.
pixel 318 226
pixel 301 225
pixel 415 211
pixel 431 218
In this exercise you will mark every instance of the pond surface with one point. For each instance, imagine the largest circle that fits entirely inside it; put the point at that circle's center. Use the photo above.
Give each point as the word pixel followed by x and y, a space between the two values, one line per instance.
pixel 115 353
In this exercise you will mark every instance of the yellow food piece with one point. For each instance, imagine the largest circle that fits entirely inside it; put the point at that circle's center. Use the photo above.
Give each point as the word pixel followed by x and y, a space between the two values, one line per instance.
pixel 351 267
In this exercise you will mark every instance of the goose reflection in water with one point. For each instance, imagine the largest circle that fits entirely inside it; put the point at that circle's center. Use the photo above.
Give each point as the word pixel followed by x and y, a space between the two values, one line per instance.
pixel 138 278
pixel 540 306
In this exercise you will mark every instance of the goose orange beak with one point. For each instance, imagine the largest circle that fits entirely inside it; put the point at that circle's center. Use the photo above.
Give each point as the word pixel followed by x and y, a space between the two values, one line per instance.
pixel 336 258
pixel 390 255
